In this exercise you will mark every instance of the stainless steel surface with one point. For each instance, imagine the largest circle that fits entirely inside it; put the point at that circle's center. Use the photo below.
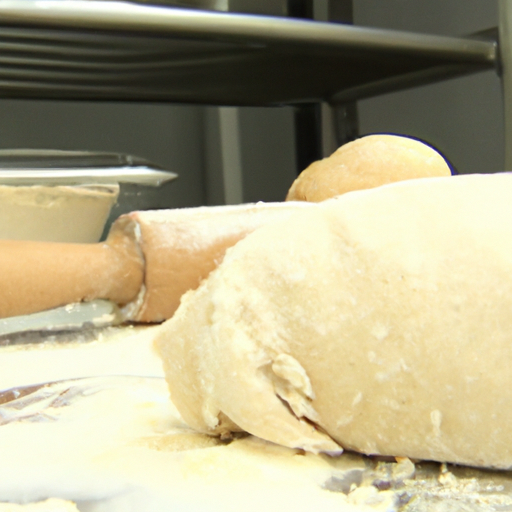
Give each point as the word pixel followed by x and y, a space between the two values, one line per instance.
pixel 53 167
pixel 215 5
pixel 133 175
pixel 400 82
pixel 123 51
pixel 340 120
pixel 82 315
pixel 58 159
pixel 23 402
pixel 270 7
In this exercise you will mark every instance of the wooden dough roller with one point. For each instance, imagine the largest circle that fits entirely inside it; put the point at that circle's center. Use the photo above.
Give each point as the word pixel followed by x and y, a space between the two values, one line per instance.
pixel 146 264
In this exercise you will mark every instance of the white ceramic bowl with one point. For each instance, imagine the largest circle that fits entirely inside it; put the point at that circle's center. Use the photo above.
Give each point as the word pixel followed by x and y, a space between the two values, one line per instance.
pixel 55 213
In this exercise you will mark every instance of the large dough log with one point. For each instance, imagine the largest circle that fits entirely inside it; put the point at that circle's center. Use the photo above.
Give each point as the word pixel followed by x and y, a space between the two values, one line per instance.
pixel 383 317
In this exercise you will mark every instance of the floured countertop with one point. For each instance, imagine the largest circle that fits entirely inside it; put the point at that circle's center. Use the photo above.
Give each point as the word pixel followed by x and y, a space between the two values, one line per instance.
pixel 106 438
pixel 51 357
pixel 117 443
pixel 110 444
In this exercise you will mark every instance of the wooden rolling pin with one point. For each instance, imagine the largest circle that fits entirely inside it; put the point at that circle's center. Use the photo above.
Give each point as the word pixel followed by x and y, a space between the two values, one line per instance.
pixel 146 264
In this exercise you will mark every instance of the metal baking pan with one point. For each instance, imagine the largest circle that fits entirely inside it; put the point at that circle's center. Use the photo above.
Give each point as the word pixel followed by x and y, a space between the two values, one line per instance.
pixel 52 167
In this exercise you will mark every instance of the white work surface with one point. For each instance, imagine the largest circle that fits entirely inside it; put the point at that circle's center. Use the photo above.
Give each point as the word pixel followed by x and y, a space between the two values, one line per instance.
pixel 106 437
pixel 112 351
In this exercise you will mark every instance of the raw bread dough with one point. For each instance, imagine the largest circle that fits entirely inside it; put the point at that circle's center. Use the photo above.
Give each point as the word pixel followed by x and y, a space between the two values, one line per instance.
pixel 368 162
pixel 383 317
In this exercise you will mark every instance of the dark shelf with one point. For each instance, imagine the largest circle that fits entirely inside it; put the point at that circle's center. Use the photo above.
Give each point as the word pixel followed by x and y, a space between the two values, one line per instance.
pixel 93 50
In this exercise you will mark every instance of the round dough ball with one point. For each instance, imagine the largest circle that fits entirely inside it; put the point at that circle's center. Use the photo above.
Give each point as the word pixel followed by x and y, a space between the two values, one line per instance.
pixel 367 162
